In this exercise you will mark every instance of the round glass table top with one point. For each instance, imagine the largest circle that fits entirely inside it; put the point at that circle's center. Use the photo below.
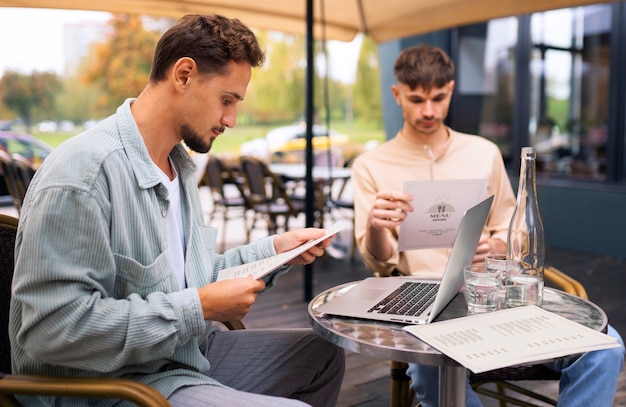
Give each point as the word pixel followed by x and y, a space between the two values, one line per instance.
pixel 386 340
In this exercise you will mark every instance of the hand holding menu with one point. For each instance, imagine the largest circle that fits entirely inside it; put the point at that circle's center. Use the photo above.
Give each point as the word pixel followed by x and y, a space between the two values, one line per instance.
pixel 508 337
pixel 263 267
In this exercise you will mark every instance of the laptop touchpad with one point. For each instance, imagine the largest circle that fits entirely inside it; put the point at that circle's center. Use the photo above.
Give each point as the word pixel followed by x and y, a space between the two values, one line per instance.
pixel 371 293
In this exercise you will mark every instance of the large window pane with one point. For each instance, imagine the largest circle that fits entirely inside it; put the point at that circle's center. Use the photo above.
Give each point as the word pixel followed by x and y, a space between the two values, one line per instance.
pixel 569 91
pixel 486 80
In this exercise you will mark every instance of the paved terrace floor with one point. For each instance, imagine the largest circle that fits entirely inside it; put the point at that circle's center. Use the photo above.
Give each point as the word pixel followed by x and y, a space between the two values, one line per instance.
pixel 366 382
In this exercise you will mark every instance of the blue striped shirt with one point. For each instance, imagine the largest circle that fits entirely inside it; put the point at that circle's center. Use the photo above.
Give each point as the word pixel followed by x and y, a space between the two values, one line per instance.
pixel 93 292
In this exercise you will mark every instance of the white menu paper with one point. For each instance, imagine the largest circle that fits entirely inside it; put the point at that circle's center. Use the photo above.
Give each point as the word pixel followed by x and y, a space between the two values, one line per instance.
pixel 263 267
pixel 508 337
pixel 438 207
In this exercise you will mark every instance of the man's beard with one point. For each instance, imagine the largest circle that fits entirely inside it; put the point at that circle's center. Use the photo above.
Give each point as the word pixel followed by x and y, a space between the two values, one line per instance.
pixel 194 141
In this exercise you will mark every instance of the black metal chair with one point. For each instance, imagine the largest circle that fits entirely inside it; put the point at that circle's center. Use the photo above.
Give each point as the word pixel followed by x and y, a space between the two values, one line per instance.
pixel 267 195
pixel 227 195
pixel 24 171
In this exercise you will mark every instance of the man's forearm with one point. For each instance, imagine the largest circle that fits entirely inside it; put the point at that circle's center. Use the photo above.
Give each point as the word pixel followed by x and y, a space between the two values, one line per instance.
pixel 378 244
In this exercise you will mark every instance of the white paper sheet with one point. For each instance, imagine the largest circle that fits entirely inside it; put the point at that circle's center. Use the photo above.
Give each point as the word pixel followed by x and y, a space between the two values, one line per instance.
pixel 438 207
pixel 261 268
pixel 508 337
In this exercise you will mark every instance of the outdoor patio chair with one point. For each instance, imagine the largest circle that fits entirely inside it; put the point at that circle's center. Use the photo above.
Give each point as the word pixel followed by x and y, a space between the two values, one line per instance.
pixel 227 194
pixel 267 195
pixel 24 171
pixel 11 385
pixel 100 388
pixel 11 179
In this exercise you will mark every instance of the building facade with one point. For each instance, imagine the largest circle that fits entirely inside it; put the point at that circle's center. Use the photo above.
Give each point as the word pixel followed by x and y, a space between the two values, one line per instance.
pixel 554 80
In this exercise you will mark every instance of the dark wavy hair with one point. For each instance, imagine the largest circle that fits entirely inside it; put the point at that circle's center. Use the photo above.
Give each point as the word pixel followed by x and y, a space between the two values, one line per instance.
pixel 423 65
pixel 210 40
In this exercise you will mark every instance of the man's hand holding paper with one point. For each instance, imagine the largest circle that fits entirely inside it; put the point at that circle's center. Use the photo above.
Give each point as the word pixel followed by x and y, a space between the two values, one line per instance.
pixel 298 247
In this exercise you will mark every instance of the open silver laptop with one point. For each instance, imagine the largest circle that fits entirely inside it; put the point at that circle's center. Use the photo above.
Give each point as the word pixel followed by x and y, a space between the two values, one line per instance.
pixel 410 300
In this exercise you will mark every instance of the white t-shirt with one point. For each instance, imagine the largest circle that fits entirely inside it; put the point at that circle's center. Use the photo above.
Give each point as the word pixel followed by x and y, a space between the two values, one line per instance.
pixel 175 235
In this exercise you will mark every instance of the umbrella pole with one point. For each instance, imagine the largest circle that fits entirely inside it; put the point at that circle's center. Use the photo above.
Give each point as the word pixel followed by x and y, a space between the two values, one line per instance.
pixel 309 203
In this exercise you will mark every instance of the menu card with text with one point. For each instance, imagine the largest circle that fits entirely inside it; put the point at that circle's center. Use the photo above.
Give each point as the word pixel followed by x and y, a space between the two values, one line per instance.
pixel 263 267
pixel 508 337
pixel 438 207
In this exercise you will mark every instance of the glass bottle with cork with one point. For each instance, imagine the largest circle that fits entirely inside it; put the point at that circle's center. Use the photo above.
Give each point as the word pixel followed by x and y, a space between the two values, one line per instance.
pixel 525 240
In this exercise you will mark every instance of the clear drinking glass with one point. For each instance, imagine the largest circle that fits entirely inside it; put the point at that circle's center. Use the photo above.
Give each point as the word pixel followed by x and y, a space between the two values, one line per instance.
pixel 523 286
pixel 498 263
pixel 481 289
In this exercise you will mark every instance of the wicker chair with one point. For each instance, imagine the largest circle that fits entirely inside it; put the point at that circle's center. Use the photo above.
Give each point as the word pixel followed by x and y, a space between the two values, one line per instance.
pixel 11 385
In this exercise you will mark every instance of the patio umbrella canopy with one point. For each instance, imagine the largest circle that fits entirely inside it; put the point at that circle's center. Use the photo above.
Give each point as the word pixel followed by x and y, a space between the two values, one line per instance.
pixel 382 20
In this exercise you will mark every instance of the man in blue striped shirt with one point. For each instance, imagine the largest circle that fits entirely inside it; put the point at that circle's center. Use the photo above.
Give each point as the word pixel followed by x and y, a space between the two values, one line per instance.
pixel 115 269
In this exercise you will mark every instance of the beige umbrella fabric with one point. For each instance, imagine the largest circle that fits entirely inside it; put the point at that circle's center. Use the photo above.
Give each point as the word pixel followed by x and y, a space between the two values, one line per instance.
pixel 382 20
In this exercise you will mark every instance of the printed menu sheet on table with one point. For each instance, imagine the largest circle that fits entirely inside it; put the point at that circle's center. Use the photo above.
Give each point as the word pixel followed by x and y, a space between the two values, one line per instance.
pixel 263 267
pixel 438 207
pixel 509 337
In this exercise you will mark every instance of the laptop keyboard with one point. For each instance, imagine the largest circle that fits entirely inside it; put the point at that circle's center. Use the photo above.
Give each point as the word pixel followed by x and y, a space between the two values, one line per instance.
pixel 411 298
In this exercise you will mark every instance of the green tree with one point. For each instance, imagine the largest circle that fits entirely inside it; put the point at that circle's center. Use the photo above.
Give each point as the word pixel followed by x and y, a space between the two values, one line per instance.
pixel 329 91
pixel 120 66
pixel 276 91
pixel 78 101
pixel 30 96
pixel 366 93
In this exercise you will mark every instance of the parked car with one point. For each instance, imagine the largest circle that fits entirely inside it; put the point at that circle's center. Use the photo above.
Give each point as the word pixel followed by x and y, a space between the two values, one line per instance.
pixel 48 126
pixel 30 147
pixel 287 143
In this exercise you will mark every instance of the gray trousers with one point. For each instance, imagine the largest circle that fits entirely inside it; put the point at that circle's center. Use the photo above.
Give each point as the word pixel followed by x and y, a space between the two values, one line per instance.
pixel 268 367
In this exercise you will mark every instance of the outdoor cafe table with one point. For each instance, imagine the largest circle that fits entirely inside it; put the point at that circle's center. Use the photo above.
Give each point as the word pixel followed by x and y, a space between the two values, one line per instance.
pixel 320 173
pixel 389 341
